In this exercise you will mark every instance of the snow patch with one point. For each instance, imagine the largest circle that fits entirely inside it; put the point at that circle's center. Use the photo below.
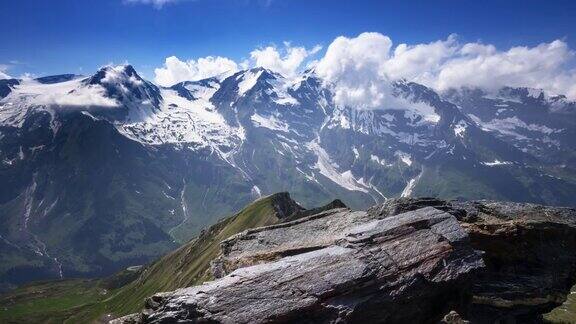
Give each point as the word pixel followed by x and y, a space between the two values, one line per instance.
pixel 356 153
pixel 203 92
pixel 270 122
pixel 460 128
pixel 497 163
pixel 249 79
pixel 180 120
pixel 410 186
pixel 404 157
pixel 379 160
pixel 281 86
pixel 329 169
pixel 508 126
pixel 256 192
pixel 117 74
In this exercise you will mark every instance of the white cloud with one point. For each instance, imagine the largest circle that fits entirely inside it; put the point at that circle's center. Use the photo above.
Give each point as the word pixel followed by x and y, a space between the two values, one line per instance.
pixel 88 96
pixel 27 76
pixel 175 70
pixel 419 62
pixel 287 61
pixel 544 66
pixel 158 4
pixel 3 74
pixel 353 66
pixel 360 68
pixel 68 93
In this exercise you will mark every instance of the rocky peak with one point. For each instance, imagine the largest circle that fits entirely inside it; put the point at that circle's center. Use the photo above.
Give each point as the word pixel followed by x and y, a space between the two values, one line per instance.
pixel 123 83
pixel 284 205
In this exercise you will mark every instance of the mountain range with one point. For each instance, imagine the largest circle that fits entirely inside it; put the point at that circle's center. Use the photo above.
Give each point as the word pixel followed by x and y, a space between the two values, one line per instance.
pixel 103 172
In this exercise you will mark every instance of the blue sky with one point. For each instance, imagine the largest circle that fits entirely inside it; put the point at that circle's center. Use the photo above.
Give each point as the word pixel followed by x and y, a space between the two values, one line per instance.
pixel 48 37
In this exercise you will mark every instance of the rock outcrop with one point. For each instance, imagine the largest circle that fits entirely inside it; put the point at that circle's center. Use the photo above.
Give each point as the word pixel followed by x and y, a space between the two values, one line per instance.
pixel 529 251
pixel 404 261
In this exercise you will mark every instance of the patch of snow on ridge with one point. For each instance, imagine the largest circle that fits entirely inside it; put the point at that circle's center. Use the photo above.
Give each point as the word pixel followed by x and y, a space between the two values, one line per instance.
pixel 507 126
pixel 427 112
pixel 249 79
pixel 256 191
pixel 356 153
pixel 203 92
pixel 407 192
pixel 460 128
pixel 281 86
pixel 404 157
pixel 270 122
pixel 117 74
pixel 380 161
pixel 328 169
pixel 497 163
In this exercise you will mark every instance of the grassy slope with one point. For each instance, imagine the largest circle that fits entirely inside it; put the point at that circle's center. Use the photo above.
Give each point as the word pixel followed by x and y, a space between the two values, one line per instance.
pixel 81 301
pixel 48 302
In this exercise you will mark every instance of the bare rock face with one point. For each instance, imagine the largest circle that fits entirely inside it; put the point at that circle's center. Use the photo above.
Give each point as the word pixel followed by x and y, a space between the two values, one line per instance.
pixel 274 242
pixel 335 266
pixel 529 251
pixel 404 261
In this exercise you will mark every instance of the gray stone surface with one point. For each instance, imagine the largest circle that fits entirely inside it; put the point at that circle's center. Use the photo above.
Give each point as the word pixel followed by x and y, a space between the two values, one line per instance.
pixel 343 267
pixel 404 261
pixel 529 251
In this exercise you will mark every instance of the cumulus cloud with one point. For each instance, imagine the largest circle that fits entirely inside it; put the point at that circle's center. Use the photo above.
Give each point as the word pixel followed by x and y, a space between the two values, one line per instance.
pixel 544 66
pixel 286 61
pixel 176 70
pixel 353 66
pixel 360 68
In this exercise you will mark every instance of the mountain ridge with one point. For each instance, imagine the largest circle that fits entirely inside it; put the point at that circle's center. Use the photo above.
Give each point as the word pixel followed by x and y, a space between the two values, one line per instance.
pixel 173 160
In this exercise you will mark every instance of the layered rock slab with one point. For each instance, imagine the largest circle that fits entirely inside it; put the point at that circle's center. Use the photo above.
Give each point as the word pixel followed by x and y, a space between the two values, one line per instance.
pixel 404 261
pixel 529 251
pixel 412 267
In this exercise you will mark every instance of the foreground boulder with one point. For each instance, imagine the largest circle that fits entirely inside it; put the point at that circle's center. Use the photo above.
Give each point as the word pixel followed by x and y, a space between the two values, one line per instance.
pixel 404 261
pixel 335 265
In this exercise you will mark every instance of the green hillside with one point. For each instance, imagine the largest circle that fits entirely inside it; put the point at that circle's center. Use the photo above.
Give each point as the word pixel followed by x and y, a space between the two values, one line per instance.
pixel 81 301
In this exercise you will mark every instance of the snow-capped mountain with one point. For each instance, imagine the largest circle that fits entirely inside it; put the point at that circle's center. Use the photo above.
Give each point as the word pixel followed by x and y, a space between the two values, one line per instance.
pixel 105 171
pixel 529 119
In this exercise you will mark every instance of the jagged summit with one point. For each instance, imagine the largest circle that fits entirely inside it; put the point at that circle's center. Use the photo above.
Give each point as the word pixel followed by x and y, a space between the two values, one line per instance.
pixel 123 83
pixel 111 73
pixel 284 205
